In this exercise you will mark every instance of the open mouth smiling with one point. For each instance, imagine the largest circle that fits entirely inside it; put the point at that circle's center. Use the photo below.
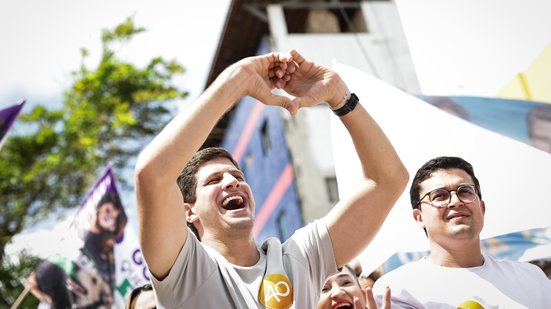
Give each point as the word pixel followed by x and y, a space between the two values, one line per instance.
pixel 233 202
pixel 343 305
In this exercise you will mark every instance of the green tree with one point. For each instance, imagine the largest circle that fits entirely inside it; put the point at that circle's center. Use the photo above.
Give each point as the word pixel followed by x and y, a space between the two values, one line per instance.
pixel 12 272
pixel 107 115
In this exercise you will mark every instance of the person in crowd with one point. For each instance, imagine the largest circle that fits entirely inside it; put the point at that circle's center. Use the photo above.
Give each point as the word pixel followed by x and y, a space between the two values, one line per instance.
pixel 48 284
pixel 538 122
pixel 369 280
pixel 342 290
pixel 447 203
pixel 141 297
pixel 365 281
pixel 223 265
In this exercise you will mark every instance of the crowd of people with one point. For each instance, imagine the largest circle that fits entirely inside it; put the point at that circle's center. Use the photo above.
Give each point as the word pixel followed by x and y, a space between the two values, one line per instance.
pixel 196 216
pixel 219 261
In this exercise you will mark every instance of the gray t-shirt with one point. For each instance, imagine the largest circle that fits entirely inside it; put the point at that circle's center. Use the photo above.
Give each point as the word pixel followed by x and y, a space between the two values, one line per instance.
pixel 202 278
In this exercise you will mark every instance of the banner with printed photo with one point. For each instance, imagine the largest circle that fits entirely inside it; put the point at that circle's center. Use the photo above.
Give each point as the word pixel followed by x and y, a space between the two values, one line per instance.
pixel 102 212
pixel 93 259
pixel 7 118
pixel 99 223
pixel 525 121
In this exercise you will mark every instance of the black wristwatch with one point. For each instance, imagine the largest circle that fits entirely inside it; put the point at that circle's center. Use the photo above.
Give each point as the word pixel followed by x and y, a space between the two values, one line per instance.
pixel 348 106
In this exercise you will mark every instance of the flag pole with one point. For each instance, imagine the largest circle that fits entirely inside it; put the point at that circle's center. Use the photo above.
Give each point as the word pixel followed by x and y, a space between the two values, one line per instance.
pixel 21 297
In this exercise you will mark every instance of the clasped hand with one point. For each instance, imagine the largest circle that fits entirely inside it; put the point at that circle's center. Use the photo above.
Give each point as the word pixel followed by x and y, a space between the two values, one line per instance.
pixel 308 82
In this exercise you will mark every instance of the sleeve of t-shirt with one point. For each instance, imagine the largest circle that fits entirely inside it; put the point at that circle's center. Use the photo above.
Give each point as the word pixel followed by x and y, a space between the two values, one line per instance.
pixel 192 268
pixel 312 248
pixel 540 284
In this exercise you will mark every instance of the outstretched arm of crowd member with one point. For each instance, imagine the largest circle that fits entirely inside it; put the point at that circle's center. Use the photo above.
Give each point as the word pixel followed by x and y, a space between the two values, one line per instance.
pixel 161 216
pixel 353 222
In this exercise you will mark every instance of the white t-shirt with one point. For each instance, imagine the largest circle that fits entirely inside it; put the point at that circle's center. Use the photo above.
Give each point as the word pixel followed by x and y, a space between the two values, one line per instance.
pixel 202 278
pixel 495 284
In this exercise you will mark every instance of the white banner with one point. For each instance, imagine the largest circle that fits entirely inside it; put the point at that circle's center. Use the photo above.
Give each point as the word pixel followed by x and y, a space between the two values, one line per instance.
pixel 130 268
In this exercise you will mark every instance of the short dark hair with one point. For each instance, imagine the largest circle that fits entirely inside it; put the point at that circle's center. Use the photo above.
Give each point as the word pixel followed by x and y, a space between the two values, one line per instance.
pixel 351 271
pixel 439 163
pixel 187 182
pixel 137 291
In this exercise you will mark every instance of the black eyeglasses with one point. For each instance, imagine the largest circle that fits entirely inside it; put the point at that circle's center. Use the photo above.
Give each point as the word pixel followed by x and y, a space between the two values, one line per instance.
pixel 441 197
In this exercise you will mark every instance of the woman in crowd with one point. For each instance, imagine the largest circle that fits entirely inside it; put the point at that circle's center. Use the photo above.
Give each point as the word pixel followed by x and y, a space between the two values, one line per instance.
pixel 342 290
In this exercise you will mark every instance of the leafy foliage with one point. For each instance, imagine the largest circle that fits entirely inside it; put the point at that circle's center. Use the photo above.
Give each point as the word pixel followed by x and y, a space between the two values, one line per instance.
pixel 107 115
pixel 11 286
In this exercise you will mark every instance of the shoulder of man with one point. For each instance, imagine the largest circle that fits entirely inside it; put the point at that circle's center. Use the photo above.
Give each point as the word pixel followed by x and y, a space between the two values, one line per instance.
pixel 517 267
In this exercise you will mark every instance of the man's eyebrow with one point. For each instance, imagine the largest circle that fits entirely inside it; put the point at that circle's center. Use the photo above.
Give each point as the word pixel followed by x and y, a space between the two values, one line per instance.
pixel 218 173
pixel 234 171
pixel 240 172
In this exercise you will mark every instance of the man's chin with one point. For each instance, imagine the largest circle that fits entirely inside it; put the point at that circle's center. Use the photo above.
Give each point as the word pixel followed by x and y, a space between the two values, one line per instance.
pixel 239 221
pixel 243 222
pixel 462 231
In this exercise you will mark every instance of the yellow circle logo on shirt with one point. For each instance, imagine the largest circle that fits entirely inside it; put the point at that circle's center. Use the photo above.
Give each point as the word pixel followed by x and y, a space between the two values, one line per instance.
pixel 470 304
pixel 276 292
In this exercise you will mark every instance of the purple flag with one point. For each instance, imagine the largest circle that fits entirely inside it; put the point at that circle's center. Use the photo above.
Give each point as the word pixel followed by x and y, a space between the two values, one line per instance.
pixel 7 118
pixel 99 222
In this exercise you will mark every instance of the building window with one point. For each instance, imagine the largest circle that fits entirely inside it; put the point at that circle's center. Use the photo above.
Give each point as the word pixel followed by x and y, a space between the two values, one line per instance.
pixel 265 137
pixel 328 18
pixel 247 164
pixel 332 189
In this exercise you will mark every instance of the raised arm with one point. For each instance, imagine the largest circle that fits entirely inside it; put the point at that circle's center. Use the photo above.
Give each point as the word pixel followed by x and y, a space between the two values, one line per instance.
pixel 353 223
pixel 385 177
pixel 161 216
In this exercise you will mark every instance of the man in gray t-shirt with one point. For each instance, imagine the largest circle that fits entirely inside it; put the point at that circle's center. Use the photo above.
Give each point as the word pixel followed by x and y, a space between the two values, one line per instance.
pixel 226 269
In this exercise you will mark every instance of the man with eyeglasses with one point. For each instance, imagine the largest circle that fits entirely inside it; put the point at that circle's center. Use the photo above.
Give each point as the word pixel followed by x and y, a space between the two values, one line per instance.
pixel 447 203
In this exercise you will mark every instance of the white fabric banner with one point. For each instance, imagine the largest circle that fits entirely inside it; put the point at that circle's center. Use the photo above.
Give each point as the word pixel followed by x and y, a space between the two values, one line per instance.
pixel 130 268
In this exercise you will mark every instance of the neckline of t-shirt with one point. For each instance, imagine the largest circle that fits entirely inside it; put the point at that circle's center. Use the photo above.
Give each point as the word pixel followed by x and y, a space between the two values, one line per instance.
pixel 429 261
pixel 260 262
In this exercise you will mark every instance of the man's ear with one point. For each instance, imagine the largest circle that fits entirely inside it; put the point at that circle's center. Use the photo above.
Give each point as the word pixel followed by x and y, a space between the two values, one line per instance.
pixel 418 216
pixel 483 207
pixel 191 216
